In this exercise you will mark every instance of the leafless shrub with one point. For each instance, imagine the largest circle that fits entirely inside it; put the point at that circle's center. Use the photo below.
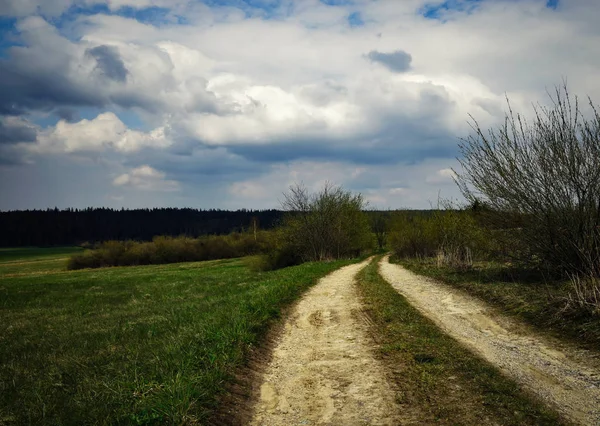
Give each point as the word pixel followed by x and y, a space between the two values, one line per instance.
pixel 584 295
pixel 541 180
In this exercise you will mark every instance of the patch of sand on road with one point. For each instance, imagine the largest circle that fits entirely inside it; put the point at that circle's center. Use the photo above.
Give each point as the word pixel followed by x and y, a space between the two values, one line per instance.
pixel 323 370
pixel 558 375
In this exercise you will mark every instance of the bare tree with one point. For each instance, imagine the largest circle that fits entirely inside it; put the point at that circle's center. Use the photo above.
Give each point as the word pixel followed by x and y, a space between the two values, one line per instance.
pixel 546 176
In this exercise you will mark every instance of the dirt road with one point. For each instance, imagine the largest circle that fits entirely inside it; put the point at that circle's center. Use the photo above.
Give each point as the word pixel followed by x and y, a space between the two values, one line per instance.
pixel 562 377
pixel 323 370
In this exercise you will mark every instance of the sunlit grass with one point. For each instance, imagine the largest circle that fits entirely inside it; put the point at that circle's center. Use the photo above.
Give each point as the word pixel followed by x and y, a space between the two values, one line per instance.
pixel 133 344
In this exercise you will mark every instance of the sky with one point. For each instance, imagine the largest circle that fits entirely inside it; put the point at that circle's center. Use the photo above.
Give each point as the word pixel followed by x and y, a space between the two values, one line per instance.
pixel 226 103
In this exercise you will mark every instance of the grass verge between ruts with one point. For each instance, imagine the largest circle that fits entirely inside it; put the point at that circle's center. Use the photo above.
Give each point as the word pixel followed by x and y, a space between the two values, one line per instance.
pixel 437 380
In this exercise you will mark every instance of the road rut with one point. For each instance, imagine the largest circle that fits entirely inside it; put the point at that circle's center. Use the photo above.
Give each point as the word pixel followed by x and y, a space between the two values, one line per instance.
pixel 323 370
pixel 560 376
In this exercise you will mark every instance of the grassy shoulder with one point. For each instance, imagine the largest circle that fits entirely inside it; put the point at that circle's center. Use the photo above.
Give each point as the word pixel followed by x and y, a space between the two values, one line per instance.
pixel 134 345
pixel 519 293
pixel 437 379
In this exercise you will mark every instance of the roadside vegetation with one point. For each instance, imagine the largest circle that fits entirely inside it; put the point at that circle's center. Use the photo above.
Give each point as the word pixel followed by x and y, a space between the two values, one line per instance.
pixel 528 240
pixel 438 380
pixel 136 345
pixel 163 250
pixel 327 225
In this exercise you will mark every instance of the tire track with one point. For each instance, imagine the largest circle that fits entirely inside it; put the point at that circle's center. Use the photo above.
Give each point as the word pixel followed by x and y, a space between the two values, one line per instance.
pixel 558 376
pixel 323 370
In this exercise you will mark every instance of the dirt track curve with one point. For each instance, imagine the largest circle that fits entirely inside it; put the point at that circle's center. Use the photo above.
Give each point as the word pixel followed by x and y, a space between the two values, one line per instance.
pixel 563 377
pixel 323 370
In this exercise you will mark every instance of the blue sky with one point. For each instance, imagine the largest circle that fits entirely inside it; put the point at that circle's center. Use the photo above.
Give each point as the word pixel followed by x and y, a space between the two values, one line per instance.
pixel 135 103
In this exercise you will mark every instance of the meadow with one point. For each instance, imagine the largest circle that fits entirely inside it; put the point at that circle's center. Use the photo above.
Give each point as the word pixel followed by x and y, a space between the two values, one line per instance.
pixel 130 345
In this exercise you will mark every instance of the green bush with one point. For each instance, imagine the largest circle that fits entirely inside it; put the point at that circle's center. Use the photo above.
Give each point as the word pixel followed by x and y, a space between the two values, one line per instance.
pixel 329 224
pixel 172 250
pixel 453 236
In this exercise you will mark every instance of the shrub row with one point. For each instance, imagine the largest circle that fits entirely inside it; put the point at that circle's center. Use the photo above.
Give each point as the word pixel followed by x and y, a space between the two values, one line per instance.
pixel 172 250
pixel 453 236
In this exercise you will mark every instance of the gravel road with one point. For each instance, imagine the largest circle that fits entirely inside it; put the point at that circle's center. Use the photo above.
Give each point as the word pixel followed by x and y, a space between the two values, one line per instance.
pixel 323 370
pixel 564 377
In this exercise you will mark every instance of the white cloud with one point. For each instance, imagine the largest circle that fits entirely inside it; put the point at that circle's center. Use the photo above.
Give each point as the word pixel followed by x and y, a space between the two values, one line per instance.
pixel 147 179
pixel 53 8
pixel 248 190
pixel 397 191
pixel 28 7
pixel 297 93
pixel 105 132
pixel 442 176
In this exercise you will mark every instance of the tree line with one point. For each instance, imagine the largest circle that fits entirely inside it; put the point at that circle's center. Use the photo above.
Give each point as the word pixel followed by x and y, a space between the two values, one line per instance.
pixel 54 227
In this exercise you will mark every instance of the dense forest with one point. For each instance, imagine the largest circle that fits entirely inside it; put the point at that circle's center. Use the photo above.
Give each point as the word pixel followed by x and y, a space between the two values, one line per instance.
pixel 54 227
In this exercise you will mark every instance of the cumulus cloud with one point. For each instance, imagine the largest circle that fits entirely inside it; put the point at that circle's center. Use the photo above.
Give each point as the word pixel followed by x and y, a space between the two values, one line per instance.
pixel 50 71
pixel 442 176
pixel 245 95
pixel 28 7
pixel 397 61
pixel 146 178
pixel 105 132
pixel 15 129
pixel 54 8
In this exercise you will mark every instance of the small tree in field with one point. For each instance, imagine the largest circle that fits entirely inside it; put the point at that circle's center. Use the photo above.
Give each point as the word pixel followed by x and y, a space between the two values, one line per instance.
pixel 541 181
pixel 327 225
pixel 380 227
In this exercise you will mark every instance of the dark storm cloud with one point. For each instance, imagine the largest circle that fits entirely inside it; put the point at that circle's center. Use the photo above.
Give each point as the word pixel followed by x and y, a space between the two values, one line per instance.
pixel 400 138
pixel 11 133
pixel 25 85
pixel 109 62
pixel 201 164
pixel 398 61
pixel 67 114
pixel 384 152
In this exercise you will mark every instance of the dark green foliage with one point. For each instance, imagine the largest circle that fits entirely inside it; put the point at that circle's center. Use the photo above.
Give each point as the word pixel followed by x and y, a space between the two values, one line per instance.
pixel 326 225
pixel 54 227
pixel 380 227
pixel 453 236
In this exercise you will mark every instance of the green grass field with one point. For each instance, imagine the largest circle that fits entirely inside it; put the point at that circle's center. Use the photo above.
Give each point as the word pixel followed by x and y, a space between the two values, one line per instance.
pixel 15 261
pixel 130 345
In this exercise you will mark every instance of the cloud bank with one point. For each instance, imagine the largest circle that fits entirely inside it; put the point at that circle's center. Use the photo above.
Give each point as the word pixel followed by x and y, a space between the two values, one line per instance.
pixel 224 104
